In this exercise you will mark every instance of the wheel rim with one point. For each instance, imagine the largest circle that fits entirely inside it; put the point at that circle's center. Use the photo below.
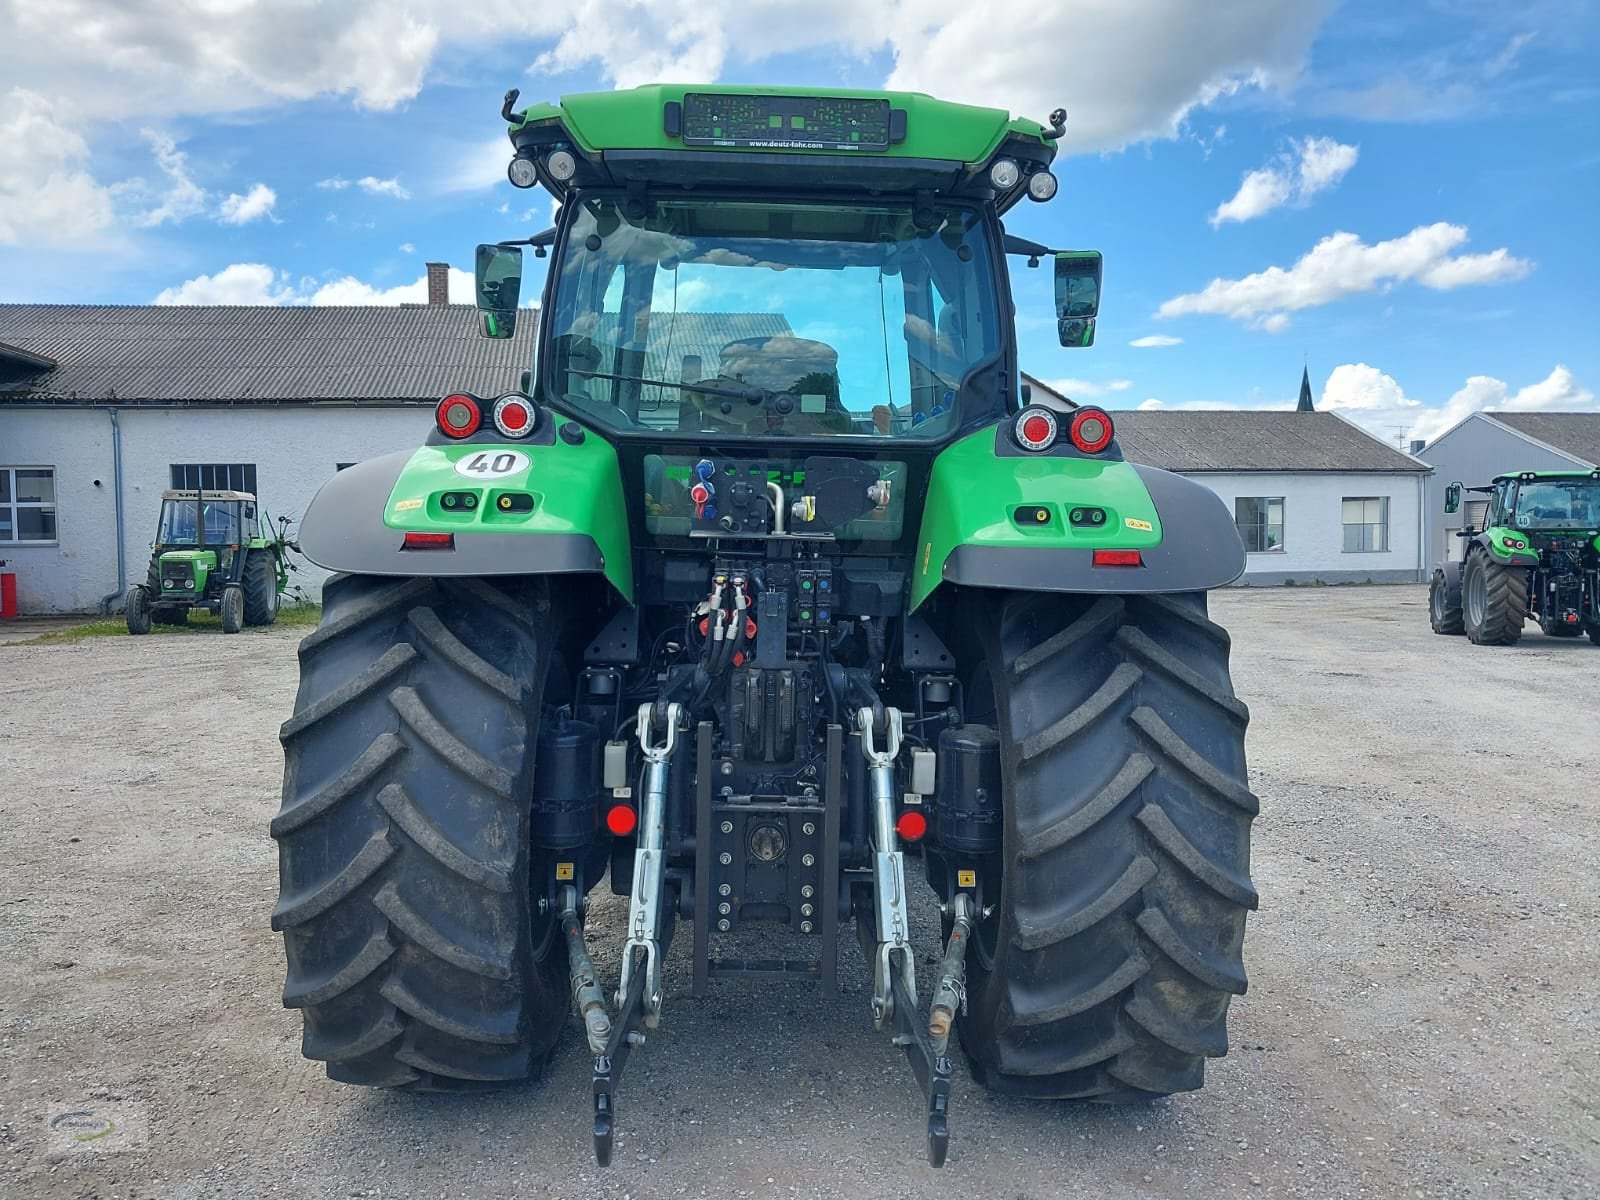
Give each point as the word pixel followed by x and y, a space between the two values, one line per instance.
pixel 1477 596
pixel 1436 601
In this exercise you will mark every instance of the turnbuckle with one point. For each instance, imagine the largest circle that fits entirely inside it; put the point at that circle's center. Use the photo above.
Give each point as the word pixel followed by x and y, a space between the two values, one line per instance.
pixel 893 957
pixel 639 994
pixel 649 863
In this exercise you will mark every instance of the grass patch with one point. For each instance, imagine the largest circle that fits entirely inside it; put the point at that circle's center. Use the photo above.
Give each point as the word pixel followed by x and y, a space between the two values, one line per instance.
pixel 200 621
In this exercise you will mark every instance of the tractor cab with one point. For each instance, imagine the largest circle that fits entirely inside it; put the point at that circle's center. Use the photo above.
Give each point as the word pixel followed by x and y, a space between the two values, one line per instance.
pixel 216 550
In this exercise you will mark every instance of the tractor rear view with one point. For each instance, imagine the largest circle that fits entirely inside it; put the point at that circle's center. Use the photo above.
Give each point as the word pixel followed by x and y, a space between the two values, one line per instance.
pixel 1529 548
pixel 773 601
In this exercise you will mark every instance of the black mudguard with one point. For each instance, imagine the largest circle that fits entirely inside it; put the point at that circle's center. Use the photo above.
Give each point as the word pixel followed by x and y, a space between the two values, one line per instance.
pixel 1200 550
pixel 343 530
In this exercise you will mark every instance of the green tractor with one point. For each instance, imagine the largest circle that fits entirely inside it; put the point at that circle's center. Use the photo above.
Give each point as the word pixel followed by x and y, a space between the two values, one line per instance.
pixel 1531 548
pixel 770 598
pixel 215 550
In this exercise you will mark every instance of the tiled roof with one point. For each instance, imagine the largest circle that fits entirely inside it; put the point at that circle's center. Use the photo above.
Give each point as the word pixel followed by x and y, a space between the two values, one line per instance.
pixel 1574 433
pixel 1254 440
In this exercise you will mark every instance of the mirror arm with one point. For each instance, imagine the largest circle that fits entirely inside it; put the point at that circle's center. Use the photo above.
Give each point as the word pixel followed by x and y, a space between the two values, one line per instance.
pixel 1021 245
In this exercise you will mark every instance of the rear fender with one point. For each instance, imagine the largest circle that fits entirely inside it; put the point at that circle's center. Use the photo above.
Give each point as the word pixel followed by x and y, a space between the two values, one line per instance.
pixel 574 522
pixel 972 533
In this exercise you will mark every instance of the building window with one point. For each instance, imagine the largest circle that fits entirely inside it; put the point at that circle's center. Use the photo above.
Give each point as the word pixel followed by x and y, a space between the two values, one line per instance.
pixel 1260 522
pixel 27 504
pixel 1366 524
pixel 215 477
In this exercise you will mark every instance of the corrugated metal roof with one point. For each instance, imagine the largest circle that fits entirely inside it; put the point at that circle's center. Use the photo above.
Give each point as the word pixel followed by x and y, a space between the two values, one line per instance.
pixel 1574 433
pixel 155 354
pixel 1214 440
pixel 255 355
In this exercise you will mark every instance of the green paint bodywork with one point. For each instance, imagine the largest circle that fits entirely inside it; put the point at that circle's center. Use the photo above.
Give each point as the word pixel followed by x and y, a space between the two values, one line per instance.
pixel 973 494
pixel 1496 540
pixel 203 562
pixel 574 489
pixel 631 120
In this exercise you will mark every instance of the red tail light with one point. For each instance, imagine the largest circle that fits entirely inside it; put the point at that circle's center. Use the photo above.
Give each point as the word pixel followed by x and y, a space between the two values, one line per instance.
pixel 515 416
pixel 911 826
pixel 429 541
pixel 1118 558
pixel 1035 428
pixel 458 416
pixel 1091 430
pixel 622 820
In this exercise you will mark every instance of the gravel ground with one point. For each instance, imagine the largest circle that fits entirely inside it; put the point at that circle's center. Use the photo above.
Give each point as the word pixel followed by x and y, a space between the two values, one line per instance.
pixel 1421 1019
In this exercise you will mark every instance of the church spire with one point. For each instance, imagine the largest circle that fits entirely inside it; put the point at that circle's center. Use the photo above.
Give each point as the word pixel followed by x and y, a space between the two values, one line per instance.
pixel 1305 404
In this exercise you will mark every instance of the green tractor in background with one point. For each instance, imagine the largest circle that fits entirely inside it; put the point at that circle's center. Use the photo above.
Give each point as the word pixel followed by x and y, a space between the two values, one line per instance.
pixel 769 596
pixel 214 550
pixel 1531 548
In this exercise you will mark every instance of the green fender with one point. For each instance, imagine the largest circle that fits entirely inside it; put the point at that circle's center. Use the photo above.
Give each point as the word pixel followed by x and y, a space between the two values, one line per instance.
pixel 999 517
pixel 550 505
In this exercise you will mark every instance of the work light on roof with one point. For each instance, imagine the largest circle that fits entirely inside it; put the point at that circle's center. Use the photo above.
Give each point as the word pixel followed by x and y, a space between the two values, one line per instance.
pixel 1004 174
pixel 522 172
pixel 561 165
pixel 1041 185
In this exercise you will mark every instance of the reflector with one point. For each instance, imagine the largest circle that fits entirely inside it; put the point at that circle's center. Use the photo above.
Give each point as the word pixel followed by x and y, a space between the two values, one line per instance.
pixel 1118 558
pixel 911 826
pixel 621 820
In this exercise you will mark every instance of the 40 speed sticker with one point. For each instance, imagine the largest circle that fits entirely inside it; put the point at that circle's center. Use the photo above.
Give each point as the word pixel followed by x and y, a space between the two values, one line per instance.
pixel 493 464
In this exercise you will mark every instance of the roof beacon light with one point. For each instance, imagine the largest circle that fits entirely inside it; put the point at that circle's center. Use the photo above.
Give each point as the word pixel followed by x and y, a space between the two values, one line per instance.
pixel 515 416
pixel 1041 185
pixel 522 172
pixel 1036 429
pixel 458 416
pixel 561 165
pixel 1004 174
pixel 1091 430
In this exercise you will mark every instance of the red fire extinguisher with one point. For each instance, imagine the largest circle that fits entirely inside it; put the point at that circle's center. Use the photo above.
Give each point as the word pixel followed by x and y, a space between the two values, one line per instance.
pixel 8 592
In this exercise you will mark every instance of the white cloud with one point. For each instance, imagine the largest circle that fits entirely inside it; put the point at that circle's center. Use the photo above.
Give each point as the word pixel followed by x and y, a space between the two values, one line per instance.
pixel 252 206
pixel 257 283
pixel 350 290
pixel 407 248
pixel 1308 167
pixel 1150 404
pixel 46 195
pixel 370 184
pixel 1377 402
pixel 184 198
pixel 1559 391
pixel 1342 265
pixel 1089 387
pixel 383 187
pixel 1137 67
pixel 1155 341
pixel 241 283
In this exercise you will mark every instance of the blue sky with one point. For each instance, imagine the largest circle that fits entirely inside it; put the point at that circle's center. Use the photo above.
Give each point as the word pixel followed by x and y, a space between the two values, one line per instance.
pixel 1400 195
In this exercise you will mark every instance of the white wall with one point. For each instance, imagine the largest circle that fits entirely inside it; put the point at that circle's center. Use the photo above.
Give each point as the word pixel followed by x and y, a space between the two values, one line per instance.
pixel 1313 526
pixel 81 566
pixel 295 450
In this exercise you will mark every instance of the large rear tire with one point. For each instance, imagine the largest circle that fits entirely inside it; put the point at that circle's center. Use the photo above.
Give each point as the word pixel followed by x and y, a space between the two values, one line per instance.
pixel 1107 971
pixel 414 951
pixel 1494 601
pixel 1444 610
pixel 260 588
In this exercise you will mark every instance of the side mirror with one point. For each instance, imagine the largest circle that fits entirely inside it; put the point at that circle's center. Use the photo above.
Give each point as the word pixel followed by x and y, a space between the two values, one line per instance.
pixel 1452 498
pixel 499 287
pixel 1077 295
